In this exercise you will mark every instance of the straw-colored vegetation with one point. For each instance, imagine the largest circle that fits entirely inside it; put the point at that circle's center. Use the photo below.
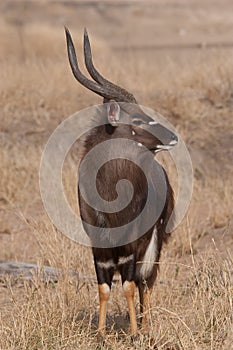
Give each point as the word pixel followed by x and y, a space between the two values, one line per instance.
pixel 192 302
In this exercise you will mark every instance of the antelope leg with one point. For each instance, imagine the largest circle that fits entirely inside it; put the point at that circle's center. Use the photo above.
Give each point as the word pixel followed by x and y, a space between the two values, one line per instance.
pixel 129 290
pixel 104 293
pixel 144 295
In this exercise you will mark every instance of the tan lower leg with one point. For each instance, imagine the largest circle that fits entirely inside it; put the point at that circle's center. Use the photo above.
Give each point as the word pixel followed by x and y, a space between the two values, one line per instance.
pixel 129 290
pixel 104 292
pixel 145 293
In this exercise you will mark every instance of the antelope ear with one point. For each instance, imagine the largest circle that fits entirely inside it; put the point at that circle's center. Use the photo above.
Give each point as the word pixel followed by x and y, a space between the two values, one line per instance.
pixel 113 112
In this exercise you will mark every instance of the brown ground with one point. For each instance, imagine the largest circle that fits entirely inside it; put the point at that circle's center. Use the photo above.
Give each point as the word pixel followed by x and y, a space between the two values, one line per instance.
pixel 176 57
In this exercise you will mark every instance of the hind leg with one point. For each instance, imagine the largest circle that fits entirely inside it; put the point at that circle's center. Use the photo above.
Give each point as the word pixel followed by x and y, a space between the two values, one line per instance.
pixel 129 290
pixel 144 295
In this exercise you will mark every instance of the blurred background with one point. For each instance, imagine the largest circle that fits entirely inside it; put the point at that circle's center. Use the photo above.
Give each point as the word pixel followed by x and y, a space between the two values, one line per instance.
pixel 176 57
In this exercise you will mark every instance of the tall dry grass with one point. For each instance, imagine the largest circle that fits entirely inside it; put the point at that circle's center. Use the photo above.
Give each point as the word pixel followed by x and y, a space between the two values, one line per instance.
pixel 191 305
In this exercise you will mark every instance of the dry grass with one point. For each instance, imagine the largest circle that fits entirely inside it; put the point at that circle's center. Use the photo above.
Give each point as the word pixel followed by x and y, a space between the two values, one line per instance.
pixel 190 307
pixel 192 302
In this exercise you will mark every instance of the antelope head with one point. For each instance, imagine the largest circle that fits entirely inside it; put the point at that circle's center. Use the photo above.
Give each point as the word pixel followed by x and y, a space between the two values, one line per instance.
pixel 123 114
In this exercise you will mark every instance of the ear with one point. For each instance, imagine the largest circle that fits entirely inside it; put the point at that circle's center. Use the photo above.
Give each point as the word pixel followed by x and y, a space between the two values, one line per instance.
pixel 113 113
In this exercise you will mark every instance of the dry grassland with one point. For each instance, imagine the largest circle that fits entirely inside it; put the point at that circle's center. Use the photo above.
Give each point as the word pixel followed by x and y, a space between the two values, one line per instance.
pixel 192 302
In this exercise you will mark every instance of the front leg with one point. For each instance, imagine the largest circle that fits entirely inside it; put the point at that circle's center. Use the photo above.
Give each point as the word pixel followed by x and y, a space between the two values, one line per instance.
pixel 104 273
pixel 127 268
pixel 104 293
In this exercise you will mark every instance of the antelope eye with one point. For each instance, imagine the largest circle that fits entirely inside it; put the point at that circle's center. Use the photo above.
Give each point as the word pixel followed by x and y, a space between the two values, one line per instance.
pixel 137 121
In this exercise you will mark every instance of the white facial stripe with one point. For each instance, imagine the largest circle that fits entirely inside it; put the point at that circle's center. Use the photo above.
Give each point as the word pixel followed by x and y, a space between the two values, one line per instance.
pixel 106 264
pixel 173 142
pixel 165 147
pixel 149 257
pixel 152 123
pixel 125 259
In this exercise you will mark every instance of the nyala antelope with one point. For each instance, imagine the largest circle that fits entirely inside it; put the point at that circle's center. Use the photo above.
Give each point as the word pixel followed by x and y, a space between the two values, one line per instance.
pixel 136 261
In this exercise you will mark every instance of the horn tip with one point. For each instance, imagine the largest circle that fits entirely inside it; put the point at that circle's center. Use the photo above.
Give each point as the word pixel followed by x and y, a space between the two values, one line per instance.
pixel 66 29
pixel 85 32
pixel 67 32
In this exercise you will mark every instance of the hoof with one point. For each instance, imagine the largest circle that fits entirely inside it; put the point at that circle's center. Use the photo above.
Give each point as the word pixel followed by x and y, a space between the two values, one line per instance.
pixel 101 338
pixel 144 339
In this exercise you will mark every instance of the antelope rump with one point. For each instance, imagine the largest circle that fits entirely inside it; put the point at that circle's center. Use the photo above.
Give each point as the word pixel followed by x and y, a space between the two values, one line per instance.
pixel 137 260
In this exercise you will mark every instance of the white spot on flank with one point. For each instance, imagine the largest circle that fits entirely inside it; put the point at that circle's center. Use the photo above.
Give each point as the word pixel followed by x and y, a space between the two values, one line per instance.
pixel 133 133
pixel 149 257
pixel 152 123
pixel 125 259
pixel 106 264
pixel 139 144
